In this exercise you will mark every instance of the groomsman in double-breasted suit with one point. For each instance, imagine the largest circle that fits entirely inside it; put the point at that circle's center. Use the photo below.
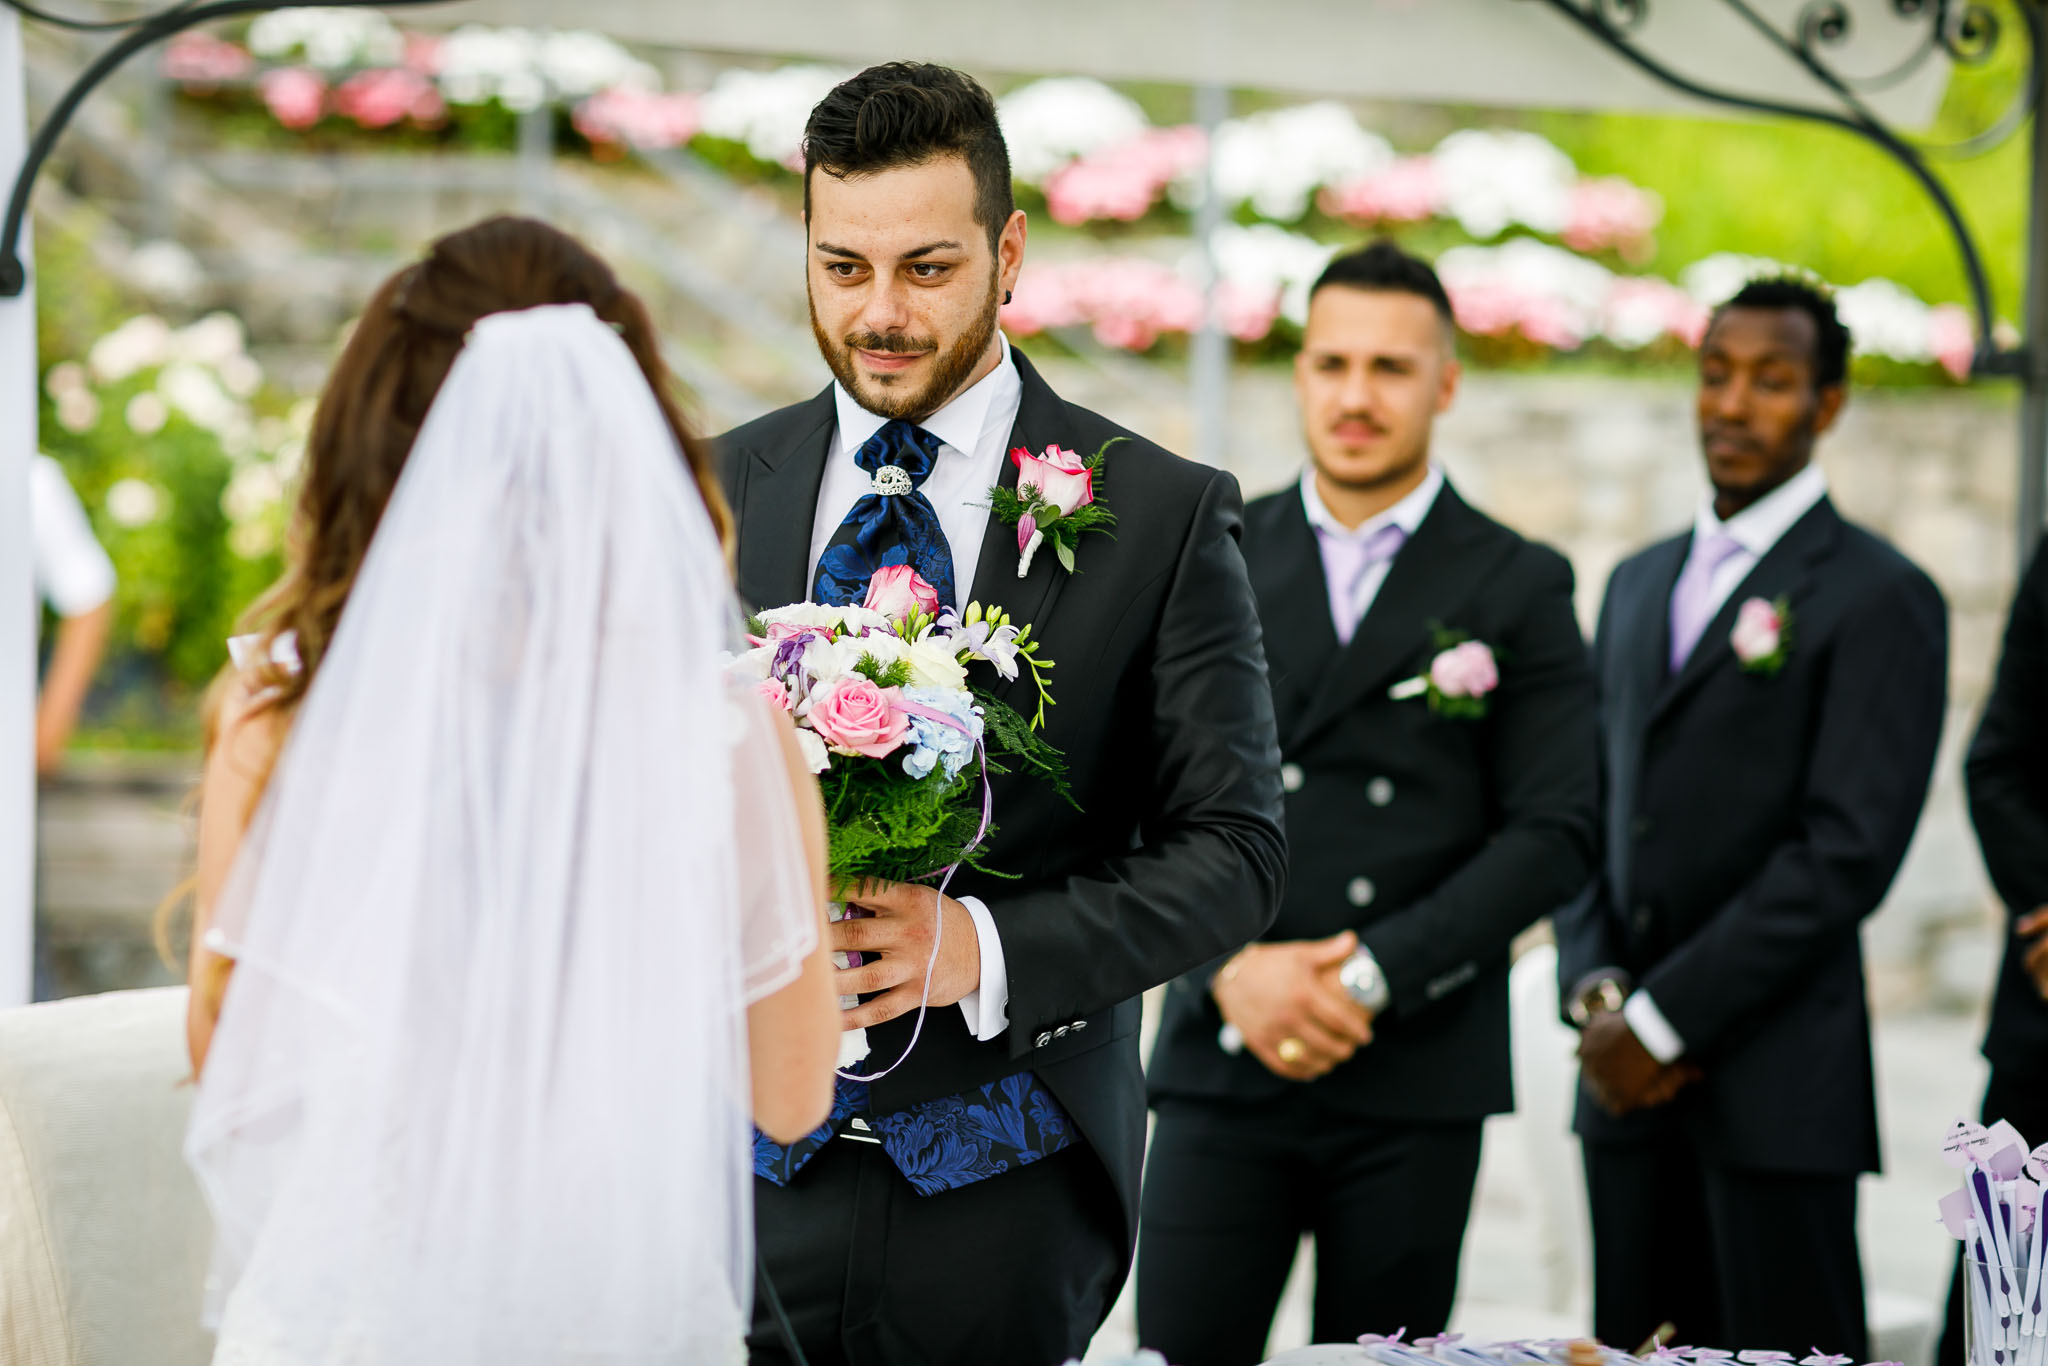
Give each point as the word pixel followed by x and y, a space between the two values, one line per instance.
pixel 1771 690
pixel 2007 773
pixel 1436 721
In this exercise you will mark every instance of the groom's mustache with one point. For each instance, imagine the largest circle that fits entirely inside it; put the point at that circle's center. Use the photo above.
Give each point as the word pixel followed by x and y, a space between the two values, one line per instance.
pixel 897 345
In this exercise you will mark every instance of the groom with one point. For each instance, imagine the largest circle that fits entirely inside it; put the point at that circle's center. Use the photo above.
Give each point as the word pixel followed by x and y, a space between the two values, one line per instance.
pixel 980 1202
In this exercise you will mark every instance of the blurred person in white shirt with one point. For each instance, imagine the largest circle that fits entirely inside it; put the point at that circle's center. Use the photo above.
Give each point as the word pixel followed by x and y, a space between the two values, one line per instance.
pixel 73 575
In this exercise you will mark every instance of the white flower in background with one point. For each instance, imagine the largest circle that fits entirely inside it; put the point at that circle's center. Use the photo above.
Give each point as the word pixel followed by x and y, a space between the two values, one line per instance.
pixel 1887 319
pixel 166 271
pixel 135 345
pixel 578 63
pixel 213 340
pixel 253 492
pixel 66 377
pixel 133 503
pixel 78 410
pixel 1278 159
pixel 146 414
pixel 1490 179
pixel 1270 261
pixel 1714 279
pixel 301 416
pixel 767 110
pixel 193 390
pixel 329 38
pixel 1051 122
pixel 290 458
pixel 252 540
pixel 242 375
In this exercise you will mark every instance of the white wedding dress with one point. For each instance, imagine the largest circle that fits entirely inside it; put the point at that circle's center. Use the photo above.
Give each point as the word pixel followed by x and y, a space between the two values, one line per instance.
pixel 479 1090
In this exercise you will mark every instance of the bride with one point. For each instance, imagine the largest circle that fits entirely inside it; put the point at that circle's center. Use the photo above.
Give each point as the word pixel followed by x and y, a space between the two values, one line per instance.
pixel 509 913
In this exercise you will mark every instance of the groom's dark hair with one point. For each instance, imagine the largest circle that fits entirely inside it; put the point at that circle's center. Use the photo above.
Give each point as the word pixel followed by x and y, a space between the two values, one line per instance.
pixel 1386 269
pixel 906 114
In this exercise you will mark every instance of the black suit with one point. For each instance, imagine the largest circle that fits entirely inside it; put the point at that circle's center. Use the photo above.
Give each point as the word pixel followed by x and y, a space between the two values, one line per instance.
pixel 1174 856
pixel 1437 840
pixel 2007 774
pixel 1751 823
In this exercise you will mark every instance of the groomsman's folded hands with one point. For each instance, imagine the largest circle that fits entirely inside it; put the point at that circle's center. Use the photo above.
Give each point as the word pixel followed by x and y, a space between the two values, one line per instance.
pixel 1620 1071
pixel 1286 1000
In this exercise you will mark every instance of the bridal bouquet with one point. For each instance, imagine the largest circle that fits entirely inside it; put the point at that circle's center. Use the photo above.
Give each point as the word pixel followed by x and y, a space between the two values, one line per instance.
pixel 894 721
pixel 893 709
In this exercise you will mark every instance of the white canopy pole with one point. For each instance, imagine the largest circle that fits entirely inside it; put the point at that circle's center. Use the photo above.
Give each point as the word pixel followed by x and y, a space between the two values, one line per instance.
pixel 17 592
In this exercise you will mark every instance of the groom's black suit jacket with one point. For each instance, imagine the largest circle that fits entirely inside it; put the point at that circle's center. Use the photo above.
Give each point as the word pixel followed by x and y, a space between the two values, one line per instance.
pixel 2008 781
pixel 1176 853
pixel 1456 834
pixel 1750 824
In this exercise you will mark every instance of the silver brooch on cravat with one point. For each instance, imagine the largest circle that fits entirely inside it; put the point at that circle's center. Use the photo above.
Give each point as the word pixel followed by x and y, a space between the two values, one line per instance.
pixel 892 480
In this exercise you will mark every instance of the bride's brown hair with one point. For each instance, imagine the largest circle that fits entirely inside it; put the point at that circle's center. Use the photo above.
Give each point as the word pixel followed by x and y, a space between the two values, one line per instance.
pixel 378 395
pixel 370 413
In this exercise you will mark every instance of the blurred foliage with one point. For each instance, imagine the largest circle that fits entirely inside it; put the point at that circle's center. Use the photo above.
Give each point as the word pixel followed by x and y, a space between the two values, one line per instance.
pixel 186 571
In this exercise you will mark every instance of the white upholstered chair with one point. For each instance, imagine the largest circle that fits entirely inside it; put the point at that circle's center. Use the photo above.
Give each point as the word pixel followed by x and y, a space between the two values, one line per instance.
pixel 103 1235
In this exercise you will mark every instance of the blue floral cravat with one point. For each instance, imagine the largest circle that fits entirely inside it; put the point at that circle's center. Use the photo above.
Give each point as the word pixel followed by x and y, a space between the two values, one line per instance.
pixel 893 523
pixel 942 1144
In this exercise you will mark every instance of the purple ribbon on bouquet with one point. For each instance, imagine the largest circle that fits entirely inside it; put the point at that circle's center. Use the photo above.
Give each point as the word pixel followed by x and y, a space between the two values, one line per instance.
pixel 939 893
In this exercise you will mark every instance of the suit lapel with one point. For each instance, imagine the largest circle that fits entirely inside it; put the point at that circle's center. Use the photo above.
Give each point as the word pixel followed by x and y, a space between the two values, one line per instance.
pixel 1294 606
pixel 1784 572
pixel 778 506
pixel 1433 577
pixel 1041 421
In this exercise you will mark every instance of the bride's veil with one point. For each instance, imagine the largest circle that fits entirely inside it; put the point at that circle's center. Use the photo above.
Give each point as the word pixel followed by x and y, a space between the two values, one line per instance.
pixel 479 1089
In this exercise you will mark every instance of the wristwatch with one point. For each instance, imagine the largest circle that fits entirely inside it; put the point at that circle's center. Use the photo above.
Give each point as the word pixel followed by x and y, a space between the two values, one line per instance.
pixel 1361 977
pixel 1595 998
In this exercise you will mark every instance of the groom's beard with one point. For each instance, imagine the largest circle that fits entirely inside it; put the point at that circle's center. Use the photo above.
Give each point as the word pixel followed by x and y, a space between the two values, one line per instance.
pixel 948 374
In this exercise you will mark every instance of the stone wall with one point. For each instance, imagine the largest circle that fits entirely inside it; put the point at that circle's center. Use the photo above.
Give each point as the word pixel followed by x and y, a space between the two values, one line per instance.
pixel 1600 466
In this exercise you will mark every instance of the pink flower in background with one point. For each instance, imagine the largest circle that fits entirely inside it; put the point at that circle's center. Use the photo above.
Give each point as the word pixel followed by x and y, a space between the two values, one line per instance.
pixel 645 119
pixel 1641 309
pixel 196 58
pixel 896 590
pixel 856 717
pixel 1123 181
pixel 1465 670
pixel 1060 476
pixel 1611 212
pixel 387 95
pixel 1405 192
pixel 295 96
pixel 423 53
pixel 1952 339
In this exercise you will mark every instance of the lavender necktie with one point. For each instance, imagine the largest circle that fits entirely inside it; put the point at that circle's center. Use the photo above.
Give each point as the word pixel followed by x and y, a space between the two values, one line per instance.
pixel 1347 563
pixel 1692 600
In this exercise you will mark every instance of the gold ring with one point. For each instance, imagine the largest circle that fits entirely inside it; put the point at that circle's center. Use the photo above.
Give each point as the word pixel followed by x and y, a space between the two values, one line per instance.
pixel 1291 1050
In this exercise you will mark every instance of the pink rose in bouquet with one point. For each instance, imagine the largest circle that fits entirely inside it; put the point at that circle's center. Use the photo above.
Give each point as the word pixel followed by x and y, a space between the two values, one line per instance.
pixel 896 590
pixel 856 717
pixel 1466 670
pixel 776 693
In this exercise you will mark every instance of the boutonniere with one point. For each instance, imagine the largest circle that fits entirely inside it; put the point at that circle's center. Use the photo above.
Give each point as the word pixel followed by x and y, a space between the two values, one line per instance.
pixel 1054 501
pixel 1762 638
pixel 1459 679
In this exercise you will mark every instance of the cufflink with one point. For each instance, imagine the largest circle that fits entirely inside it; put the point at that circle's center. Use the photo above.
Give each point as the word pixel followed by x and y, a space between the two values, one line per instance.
pixel 1379 791
pixel 1290 777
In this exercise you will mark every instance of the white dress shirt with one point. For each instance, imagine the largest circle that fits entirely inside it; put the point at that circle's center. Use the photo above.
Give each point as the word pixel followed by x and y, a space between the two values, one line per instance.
pixel 72 571
pixel 974 434
pixel 1755 530
pixel 1406 514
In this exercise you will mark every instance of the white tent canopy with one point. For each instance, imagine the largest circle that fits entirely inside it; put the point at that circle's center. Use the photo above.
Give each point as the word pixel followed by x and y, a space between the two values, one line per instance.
pixel 1495 52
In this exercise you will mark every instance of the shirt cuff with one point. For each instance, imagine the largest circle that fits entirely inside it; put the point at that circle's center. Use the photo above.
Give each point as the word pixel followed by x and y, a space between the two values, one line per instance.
pixel 1652 1030
pixel 987 1007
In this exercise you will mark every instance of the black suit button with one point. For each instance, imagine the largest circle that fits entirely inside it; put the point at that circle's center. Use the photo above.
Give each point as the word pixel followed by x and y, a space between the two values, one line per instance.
pixel 1639 828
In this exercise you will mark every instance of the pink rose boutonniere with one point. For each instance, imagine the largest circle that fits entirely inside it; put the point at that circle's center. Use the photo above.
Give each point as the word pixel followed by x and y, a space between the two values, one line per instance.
pixel 1459 679
pixel 1055 500
pixel 1762 638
